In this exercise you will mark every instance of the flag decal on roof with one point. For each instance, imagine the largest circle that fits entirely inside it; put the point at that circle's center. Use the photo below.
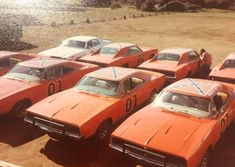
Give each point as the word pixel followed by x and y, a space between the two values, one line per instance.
pixel 114 72
pixel 197 86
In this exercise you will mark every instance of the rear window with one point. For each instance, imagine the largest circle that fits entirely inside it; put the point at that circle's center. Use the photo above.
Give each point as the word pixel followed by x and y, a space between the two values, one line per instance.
pixel 74 44
pixel 230 63
pixel 167 56
pixel 108 51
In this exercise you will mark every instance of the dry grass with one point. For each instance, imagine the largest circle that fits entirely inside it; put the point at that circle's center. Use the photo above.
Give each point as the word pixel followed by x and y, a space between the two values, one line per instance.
pixel 213 30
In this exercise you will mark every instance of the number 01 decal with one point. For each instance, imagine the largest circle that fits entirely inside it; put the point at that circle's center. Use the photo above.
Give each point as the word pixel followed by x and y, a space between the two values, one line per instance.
pixel 140 58
pixel 129 103
pixel 51 87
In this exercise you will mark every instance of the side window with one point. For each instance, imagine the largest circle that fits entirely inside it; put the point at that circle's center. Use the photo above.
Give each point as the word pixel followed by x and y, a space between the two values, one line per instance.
pixel 133 50
pixel 132 83
pixel 95 42
pixel 193 56
pixel 220 99
pixel 66 69
pixel 89 45
pixel 53 72
pixel 5 62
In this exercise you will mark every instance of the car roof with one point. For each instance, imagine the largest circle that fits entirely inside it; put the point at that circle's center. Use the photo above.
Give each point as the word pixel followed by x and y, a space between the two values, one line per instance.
pixel 178 51
pixel 231 56
pixel 7 53
pixel 82 38
pixel 42 62
pixel 195 87
pixel 119 45
pixel 113 73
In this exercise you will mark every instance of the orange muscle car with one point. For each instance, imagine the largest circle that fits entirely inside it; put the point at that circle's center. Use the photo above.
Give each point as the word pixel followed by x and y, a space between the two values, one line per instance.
pixel 30 81
pixel 9 59
pixel 225 71
pixel 175 63
pixel 119 54
pixel 181 126
pixel 98 101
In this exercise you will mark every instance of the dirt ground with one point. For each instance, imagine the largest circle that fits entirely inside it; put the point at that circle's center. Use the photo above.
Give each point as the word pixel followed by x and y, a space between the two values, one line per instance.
pixel 214 30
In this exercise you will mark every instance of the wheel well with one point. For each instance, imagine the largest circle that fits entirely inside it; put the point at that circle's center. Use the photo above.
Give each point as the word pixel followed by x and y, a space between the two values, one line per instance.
pixel 189 74
pixel 109 121
pixel 151 56
pixel 125 65
pixel 26 101
pixel 210 148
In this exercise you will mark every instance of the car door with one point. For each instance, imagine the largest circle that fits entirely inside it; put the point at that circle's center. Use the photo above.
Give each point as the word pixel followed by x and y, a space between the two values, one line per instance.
pixel 89 46
pixel 55 81
pixel 224 115
pixel 194 62
pixel 96 45
pixel 133 93
pixel 134 56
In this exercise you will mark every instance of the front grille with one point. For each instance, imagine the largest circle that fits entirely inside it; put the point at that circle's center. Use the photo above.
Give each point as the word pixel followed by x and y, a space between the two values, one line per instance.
pixel 228 80
pixel 147 155
pixel 49 124
pixel 53 126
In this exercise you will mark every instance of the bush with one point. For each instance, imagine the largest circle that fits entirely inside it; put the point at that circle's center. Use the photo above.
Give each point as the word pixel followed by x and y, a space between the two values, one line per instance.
pixel 175 6
pixel 148 6
pixel 191 6
pixel 222 4
pixel 115 4
pixel 96 3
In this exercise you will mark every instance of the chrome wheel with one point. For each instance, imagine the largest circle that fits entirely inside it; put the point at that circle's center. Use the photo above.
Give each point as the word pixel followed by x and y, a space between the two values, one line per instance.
pixel 19 110
pixel 103 130
pixel 204 161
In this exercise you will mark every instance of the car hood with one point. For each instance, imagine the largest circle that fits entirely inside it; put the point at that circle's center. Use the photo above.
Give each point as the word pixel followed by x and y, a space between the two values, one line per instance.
pixel 163 131
pixel 99 59
pixel 62 52
pixel 9 86
pixel 223 73
pixel 160 65
pixel 72 106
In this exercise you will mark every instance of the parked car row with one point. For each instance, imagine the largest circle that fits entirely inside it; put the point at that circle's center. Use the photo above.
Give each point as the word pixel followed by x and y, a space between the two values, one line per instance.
pixel 87 97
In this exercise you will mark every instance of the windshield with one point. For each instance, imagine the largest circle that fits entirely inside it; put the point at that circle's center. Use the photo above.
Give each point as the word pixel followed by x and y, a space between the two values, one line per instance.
pixel 176 102
pixel 230 63
pixel 108 51
pixel 74 44
pixel 98 86
pixel 167 56
pixel 25 73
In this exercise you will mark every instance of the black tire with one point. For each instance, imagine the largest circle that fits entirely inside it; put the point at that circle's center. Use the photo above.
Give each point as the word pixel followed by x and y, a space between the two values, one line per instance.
pixel 103 131
pixel 151 56
pixel 205 160
pixel 189 75
pixel 19 108
pixel 125 65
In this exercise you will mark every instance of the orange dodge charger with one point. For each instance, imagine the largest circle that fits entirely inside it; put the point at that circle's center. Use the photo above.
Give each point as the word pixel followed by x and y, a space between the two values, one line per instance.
pixel 120 54
pixel 9 59
pixel 32 80
pixel 98 101
pixel 175 63
pixel 181 127
pixel 225 71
